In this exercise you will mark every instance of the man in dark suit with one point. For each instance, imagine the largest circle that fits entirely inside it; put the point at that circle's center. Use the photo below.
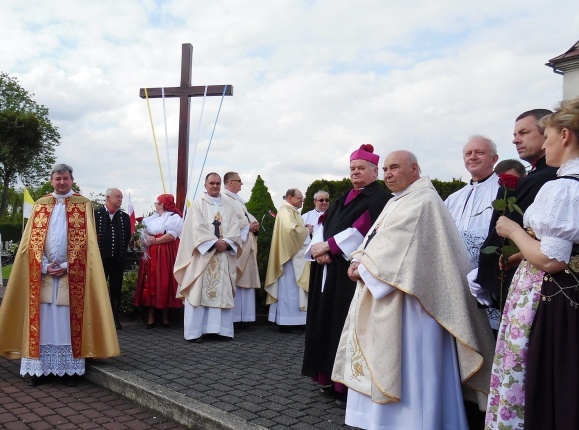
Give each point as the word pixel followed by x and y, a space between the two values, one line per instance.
pixel 114 233
pixel 529 139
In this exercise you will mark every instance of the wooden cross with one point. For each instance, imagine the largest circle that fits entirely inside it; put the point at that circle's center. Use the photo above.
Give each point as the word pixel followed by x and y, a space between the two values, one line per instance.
pixel 185 91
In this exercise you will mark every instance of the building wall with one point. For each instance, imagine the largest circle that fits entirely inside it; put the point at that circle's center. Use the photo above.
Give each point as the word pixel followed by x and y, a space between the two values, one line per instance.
pixel 571 84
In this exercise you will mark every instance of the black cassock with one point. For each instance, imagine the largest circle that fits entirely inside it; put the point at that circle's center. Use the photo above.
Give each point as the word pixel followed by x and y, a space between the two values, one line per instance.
pixel 327 310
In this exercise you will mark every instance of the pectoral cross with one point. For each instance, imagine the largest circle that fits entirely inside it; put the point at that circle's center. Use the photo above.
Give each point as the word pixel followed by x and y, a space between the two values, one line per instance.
pixel 217 226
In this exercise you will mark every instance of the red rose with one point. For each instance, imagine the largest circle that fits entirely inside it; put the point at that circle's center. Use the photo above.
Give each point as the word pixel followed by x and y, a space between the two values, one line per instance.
pixel 508 181
pixel 139 219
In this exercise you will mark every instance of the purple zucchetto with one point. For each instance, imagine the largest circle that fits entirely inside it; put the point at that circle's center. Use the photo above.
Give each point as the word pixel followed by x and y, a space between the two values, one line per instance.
pixel 366 152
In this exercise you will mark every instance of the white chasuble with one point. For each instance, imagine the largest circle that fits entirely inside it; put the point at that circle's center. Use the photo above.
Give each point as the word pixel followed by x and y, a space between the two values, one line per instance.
pixel 206 277
pixel 418 260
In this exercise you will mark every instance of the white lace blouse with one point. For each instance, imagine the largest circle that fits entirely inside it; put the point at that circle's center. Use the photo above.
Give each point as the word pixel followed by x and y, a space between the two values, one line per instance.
pixel 554 215
pixel 167 222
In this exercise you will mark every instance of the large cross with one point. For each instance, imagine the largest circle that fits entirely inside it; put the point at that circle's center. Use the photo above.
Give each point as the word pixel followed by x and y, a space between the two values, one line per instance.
pixel 185 91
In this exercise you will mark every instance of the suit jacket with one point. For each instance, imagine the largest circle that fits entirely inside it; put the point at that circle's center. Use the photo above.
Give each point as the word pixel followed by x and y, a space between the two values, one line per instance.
pixel 113 235
pixel 488 267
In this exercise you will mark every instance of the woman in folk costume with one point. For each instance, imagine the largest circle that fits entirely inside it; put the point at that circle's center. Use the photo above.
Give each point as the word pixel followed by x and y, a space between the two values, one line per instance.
pixel 156 286
pixel 535 377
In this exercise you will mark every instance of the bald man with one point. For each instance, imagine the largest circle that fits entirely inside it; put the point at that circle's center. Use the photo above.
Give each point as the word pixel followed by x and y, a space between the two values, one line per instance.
pixel 433 342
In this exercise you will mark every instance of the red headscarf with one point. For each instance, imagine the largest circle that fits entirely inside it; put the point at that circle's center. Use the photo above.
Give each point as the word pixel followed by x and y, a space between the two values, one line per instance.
pixel 169 203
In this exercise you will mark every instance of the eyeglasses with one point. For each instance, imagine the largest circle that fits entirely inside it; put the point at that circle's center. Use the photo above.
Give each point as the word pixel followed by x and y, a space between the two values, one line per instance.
pixel 157 203
pixel 236 180
pixel 323 200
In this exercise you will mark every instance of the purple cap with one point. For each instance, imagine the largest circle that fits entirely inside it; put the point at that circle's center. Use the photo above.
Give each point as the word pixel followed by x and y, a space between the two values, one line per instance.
pixel 366 152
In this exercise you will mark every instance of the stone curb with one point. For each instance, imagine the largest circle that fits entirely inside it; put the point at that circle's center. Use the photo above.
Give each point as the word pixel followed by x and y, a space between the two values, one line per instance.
pixel 173 405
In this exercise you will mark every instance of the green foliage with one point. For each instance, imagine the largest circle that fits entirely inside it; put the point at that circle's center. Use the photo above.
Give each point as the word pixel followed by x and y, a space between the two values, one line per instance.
pixel 259 205
pixel 98 200
pixel 128 289
pixel 445 189
pixel 11 231
pixel 27 138
pixel 15 199
pixel 6 271
pixel 334 188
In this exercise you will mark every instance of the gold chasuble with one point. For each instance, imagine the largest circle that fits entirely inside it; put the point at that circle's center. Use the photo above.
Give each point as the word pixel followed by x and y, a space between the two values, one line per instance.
pixel 84 288
pixel 417 250
pixel 287 243
pixel 247 270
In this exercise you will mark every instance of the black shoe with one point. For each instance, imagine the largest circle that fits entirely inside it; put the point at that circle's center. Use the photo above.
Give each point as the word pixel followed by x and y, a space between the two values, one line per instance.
pixel 151 325
pixel 340 403
pixel 70 380
pixel 325 389
pixel 166 325
pixel 35 381
pixel 118 326
pixel 329 391
pixel 196 340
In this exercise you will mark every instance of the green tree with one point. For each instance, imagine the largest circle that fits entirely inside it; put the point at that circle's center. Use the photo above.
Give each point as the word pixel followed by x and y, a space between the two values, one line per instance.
pixel 322 184
pixel 27 138
pixel 259 205
pixel 335 188
pixel 445 189
pixel 15 199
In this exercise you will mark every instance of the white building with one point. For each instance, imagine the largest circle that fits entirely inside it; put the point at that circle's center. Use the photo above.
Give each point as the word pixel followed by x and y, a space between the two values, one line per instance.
pixel 567 64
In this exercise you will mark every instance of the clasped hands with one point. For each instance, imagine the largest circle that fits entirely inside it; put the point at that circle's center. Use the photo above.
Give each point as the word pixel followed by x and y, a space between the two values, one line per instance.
pixel 55 270
pixel 353 273
pixel 254 226
pixel 221 245
pixel 321 253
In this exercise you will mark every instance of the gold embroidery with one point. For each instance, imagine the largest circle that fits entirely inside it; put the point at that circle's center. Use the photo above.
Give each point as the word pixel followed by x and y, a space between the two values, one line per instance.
pixel 357 361
pixel 77 259
pixel 76 220
pixel 212 278
pixel 40 221
pixel 574 263
pixel 35 249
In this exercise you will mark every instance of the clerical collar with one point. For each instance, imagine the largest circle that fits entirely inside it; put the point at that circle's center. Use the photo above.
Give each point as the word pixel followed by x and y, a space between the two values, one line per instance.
pixel 481 181
pixel 61 197
pixel 215 199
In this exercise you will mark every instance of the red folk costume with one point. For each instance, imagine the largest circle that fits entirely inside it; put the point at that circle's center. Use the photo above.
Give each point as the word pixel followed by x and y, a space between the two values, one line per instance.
pixel 156 285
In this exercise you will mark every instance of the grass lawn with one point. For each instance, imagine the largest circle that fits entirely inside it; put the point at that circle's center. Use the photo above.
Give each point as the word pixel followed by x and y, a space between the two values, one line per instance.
pixel 6 271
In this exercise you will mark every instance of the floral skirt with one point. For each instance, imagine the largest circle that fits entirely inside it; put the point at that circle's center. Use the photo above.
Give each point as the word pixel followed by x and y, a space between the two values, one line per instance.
pixel 506 402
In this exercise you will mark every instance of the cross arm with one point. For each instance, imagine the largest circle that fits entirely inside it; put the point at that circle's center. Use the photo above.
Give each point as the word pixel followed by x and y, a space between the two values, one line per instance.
pixel 195 91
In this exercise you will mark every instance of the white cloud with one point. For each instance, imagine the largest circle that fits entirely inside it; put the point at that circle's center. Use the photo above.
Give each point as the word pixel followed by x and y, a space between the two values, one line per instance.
pixel 312 81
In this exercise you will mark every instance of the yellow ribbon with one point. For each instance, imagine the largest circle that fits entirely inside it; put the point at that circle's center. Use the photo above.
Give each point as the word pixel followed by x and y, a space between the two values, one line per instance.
pixel 155 140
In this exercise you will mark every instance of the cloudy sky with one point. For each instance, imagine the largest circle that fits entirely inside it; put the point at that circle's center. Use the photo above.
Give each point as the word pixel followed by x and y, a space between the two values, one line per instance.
pixel 313 80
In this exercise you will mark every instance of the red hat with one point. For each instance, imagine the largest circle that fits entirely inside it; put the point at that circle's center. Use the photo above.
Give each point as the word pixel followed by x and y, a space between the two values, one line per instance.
pixel 169 203
pixel 366 152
